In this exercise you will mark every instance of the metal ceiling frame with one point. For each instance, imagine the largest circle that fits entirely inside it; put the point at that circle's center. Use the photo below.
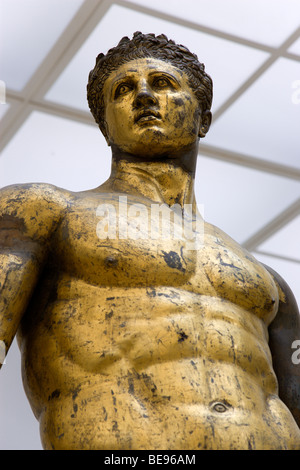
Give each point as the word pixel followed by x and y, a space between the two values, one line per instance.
pixel 85 20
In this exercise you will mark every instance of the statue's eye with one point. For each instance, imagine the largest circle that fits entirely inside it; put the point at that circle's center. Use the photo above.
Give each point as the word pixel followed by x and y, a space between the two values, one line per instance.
pixel 122 90
pixel 161 82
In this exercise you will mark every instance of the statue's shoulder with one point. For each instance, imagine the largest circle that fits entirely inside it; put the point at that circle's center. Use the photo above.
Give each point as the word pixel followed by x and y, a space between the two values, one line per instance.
pixel 37 207
pixel 286 295
pixel 33 194
pixel 225 243
pixel 220 237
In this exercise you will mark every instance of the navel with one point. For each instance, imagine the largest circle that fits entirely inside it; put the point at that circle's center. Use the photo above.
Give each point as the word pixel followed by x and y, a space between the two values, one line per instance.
pixel 111 261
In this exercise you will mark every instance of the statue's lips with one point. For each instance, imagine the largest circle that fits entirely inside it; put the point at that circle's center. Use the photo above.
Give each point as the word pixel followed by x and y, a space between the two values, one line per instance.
pixel 147 115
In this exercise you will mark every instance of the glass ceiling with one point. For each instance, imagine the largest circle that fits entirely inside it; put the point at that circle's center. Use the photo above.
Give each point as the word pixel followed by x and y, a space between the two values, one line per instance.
pixel 271 119
pixel 211 50
pixel 248 175
pixel 22 52
pixel 267 22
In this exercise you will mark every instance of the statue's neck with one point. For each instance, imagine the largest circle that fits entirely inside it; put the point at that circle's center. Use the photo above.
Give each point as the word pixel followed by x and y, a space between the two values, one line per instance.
pixel 160 181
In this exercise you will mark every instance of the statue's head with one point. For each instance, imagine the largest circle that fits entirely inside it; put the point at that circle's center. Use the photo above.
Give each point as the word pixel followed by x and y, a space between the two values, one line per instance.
pixel 143 46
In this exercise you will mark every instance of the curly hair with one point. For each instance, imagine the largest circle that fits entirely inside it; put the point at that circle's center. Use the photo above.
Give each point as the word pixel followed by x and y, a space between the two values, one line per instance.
pixel 146 46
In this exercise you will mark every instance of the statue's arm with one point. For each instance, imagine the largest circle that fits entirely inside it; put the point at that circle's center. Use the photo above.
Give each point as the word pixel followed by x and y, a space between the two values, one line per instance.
pixel 28 216
pixel 284 333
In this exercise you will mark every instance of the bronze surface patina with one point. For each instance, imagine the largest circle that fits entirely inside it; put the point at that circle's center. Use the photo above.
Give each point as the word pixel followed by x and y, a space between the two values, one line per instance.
pixel 145 341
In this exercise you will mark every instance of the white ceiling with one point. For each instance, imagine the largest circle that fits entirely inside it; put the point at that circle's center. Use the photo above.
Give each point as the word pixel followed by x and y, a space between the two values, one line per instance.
pixel 249 164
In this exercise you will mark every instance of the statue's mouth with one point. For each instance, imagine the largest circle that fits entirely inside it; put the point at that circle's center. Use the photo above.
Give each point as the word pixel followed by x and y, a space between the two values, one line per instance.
pixel 147 115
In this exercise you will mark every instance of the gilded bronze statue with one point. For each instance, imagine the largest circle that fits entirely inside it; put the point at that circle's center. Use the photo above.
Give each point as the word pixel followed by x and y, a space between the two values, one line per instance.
pixel 145 341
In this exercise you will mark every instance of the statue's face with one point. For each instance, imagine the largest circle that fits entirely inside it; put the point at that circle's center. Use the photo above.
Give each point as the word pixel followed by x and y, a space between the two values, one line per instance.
pixel 150 108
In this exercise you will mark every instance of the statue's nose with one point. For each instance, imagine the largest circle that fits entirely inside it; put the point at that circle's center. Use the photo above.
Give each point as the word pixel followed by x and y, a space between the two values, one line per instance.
pixel 144 97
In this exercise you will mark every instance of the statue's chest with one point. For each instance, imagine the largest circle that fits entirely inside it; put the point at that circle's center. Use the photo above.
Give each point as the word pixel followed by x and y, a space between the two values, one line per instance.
pixel 108 246
pixel 122 245
pixel 233 274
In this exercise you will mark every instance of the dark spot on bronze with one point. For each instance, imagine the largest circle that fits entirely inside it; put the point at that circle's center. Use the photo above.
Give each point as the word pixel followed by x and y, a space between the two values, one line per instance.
pixel 130 386
pixel 151 293
pixel 182 336
pixel 173 260
pixel 178 101
pixel 54 394
pixel 109 315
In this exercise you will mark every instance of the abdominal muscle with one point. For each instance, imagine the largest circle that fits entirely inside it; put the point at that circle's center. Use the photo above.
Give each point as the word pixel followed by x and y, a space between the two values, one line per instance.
pixel 153 369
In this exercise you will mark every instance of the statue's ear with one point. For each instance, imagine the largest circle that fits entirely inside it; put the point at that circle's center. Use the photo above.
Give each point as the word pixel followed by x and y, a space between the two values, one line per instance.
pixel 205 123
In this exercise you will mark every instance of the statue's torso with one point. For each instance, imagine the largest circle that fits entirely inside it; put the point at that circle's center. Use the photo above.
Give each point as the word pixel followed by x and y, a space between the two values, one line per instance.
pixel 145 344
